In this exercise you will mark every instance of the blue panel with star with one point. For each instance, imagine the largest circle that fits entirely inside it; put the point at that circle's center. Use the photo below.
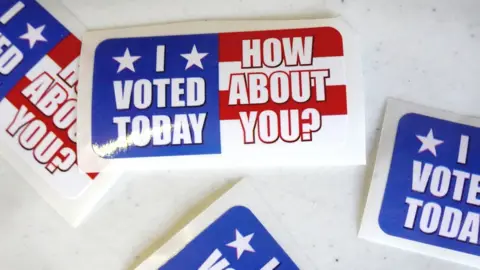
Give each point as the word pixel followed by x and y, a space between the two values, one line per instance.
pixel 433 187
pixel 156 96
pixel 25 27
pixel 236 240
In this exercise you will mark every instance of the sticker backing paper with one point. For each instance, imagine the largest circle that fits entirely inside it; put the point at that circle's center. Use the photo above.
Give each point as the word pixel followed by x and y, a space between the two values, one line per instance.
pixel 39 55
pixel 425 191
pixel 235 232
pixel 221 94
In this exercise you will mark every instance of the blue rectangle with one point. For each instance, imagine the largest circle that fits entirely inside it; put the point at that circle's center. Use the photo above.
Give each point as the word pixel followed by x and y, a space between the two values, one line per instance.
pixel 236 240
pixel 34 31
pixel 132 65
pixel 432 193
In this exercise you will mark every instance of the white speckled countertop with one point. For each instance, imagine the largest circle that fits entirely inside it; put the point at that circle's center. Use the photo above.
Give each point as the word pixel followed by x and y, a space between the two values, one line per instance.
pixel 423 51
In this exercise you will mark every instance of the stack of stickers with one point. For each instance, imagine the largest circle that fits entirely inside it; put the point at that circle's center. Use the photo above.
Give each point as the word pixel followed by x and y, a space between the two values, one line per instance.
pixel 222 95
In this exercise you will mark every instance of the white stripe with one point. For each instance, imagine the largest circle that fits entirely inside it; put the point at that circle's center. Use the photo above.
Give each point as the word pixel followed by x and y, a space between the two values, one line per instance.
pixel 47 65
pixel 7 16
pixel 334 64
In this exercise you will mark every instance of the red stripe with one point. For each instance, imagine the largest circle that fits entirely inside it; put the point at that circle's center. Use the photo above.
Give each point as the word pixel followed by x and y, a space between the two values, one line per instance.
pixel 327 41
pixel 335 104
pixel 18 99
pixel 63 54
pixel 66 51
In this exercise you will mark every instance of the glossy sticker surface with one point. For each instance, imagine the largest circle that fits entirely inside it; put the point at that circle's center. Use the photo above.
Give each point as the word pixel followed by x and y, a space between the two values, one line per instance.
pixel 164 113
pixel 227 95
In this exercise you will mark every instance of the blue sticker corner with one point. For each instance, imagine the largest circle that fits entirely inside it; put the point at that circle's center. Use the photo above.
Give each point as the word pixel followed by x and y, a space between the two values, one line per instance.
pixel 433 187
pixel 174 99
pixel 236 240
pixel 27 33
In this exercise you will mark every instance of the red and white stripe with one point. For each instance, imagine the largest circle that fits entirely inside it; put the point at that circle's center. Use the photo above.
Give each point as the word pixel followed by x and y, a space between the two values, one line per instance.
pixel 328 54
pixel 71 183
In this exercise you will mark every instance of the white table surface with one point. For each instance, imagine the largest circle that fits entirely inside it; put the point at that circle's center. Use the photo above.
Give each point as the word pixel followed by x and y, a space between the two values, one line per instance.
pixel 423 51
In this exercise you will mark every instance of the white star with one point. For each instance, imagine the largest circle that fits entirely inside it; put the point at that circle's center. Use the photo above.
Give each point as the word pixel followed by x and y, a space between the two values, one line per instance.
pixel 241 243
pixel 194 58
pixel 33 35
pixel 126 61
pixel 429 143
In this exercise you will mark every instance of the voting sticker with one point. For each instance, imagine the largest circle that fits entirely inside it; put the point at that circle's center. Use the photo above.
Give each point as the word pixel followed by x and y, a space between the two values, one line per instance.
pixel 220 96
pixel 238 231
pixel 38 91
pixel 432 183
pixel 236 240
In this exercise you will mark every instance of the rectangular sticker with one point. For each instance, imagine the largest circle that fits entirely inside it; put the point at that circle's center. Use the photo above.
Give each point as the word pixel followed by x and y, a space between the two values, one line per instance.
pixel 221 95
pixel 38 91
pixel 425 189
pixel 232 233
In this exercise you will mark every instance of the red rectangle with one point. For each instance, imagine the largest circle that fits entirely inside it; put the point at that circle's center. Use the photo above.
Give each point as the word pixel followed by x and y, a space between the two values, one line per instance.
pixel 327 41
